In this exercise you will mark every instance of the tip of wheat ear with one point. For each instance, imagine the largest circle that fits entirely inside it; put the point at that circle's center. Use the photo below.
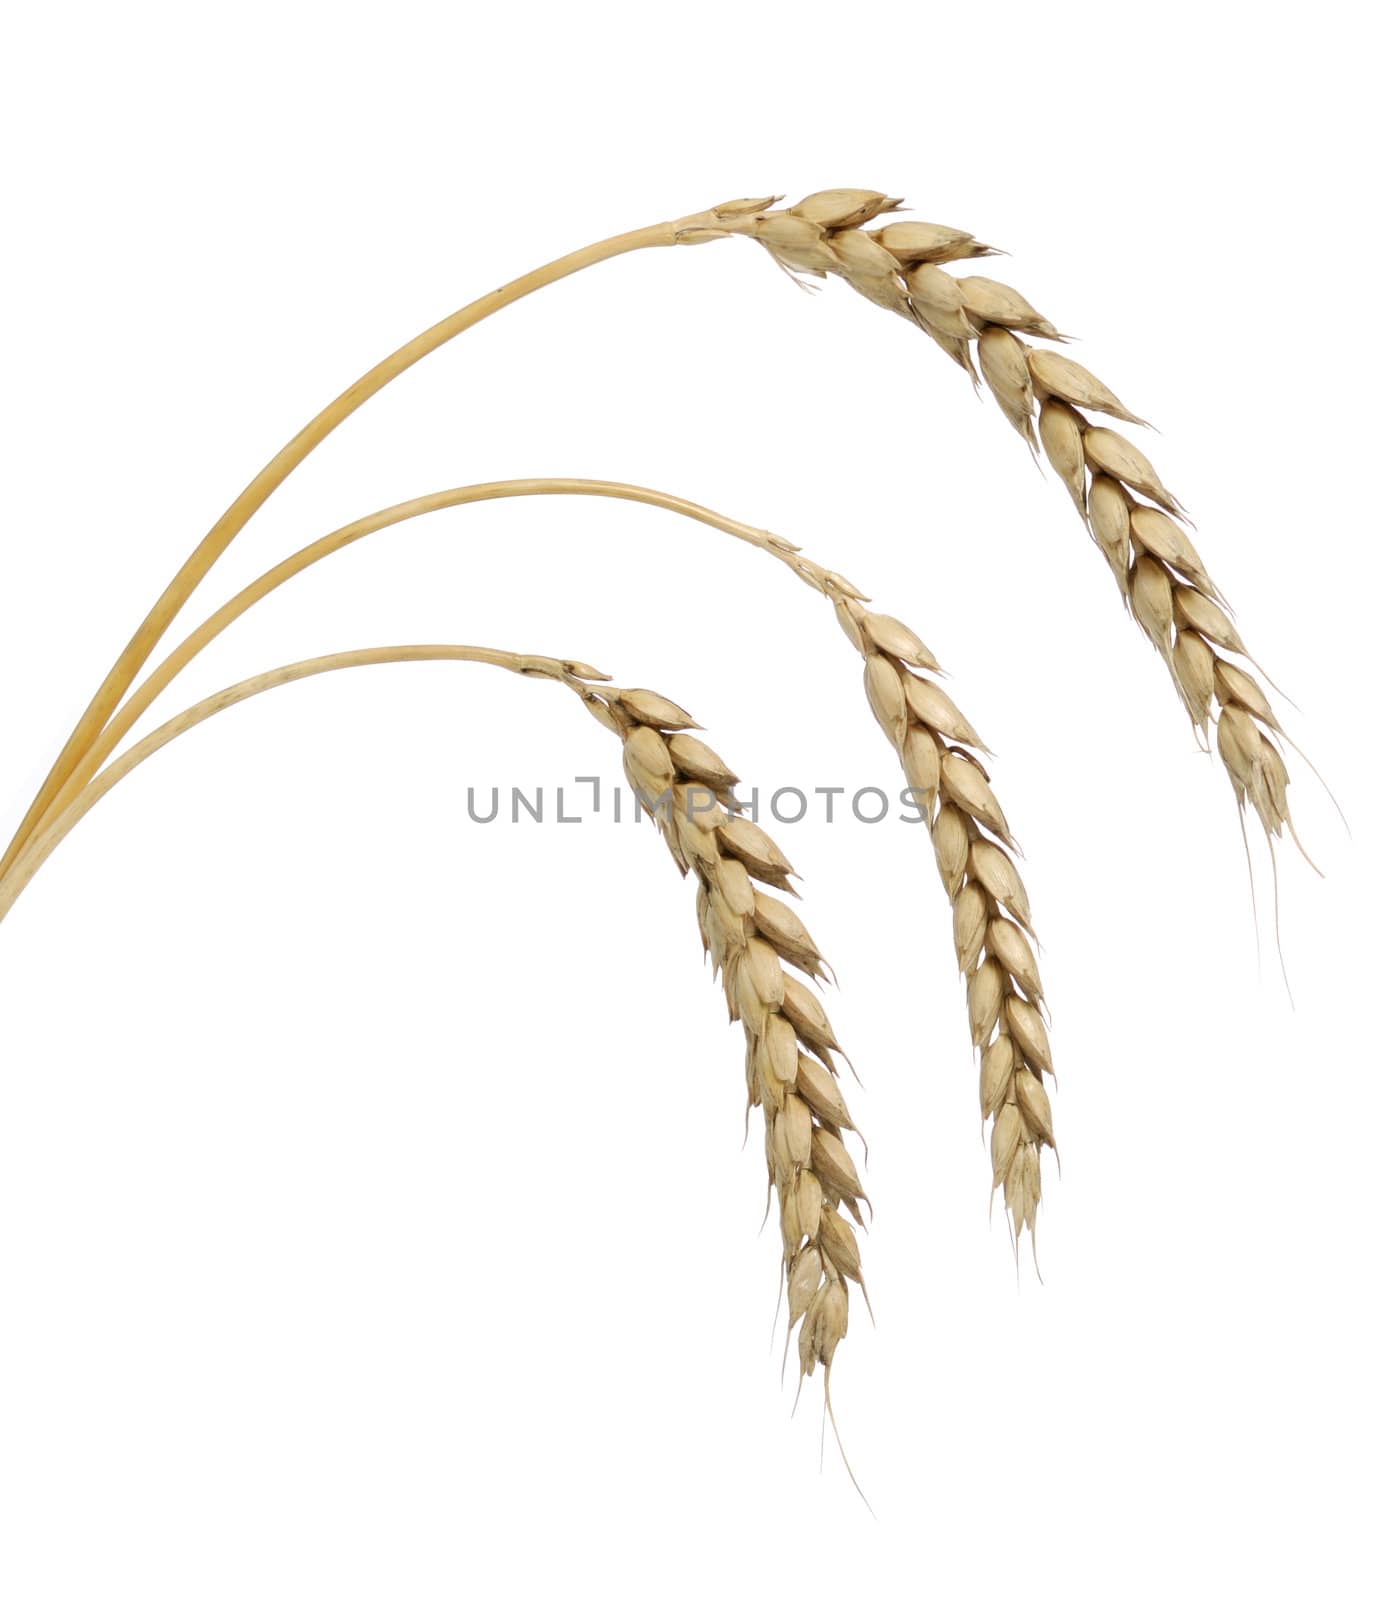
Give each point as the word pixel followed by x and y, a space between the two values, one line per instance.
pixel 1046 396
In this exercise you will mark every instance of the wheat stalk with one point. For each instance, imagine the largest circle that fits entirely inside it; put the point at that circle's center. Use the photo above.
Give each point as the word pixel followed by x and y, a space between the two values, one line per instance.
pixel 752 935
pixel 143 697
pixel 1132 516
pixel 1129 512
pixel 928 730
pixel 899 266
pixel 218 538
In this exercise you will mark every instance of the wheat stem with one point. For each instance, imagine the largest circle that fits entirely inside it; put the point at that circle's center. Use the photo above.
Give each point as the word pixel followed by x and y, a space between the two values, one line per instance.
pixel 139 702
pixel 45 841
pixel 268 479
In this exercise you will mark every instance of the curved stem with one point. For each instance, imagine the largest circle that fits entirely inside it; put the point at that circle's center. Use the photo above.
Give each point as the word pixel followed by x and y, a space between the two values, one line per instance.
pixel 263 485
pixel 47 839
pixel 110 736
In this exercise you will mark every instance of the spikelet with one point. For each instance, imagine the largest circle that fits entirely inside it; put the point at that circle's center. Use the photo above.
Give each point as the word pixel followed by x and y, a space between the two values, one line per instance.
pixel 843 208
pixel 939 303
pixel 1055 374
pixel 913 242
pixel 998 304
pixel 1002 357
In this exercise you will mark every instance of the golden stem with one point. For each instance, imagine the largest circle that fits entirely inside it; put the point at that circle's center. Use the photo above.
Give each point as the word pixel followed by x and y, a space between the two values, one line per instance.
pixel 254 495
pixel 154 685
pixel 47 839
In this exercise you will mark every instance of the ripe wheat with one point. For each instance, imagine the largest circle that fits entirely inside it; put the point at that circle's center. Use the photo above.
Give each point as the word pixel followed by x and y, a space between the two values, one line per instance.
pixel 929 733
pixel 937 747
pixel 898 266
pixel 1129 512
pixel 752 936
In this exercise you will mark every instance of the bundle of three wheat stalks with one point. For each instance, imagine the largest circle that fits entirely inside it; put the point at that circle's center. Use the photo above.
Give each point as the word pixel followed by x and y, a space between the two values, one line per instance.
pixel 751 935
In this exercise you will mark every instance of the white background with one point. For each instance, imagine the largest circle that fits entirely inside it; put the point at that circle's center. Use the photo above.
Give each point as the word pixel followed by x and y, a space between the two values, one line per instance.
pixel 373 1212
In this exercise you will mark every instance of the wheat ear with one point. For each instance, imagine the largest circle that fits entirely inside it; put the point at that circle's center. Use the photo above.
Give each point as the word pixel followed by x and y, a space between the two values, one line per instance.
pixel 939 754
pixel 1135 521
pixel 1130 513
pixel 752 935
